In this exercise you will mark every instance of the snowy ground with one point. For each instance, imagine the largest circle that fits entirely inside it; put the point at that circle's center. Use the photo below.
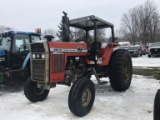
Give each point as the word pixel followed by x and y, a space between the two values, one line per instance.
pixel 144 61
pixel 134 104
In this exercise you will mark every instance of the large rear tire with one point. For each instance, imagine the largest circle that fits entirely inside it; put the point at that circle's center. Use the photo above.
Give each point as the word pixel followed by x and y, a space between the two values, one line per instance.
pixel 120 70
pixel 33 93
pixel 81 97
pixel 156 111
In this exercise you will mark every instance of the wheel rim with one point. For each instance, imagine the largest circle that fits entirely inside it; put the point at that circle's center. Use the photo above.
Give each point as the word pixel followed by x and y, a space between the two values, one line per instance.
pixel 127 70
pixel 86 97
pixel 38 91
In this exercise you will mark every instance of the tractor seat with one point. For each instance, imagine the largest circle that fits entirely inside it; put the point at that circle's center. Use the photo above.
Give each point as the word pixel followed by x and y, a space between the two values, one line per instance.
pixel 92 50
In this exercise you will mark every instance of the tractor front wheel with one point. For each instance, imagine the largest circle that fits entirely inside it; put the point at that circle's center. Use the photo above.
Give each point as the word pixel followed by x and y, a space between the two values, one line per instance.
pixel 33 93
pixel 81 97
pixel 120 70
pixel 156 111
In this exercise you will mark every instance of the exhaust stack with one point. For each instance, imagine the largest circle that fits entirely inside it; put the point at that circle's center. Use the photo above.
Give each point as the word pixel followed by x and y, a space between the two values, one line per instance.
pixel 66 31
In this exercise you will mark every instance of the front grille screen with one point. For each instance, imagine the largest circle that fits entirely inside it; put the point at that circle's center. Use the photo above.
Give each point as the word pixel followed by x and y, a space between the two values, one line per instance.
pixel 156 50
pixel 58 62
pixel 38 70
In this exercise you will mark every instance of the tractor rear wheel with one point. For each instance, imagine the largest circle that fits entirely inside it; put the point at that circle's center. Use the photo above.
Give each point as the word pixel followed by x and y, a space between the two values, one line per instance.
pixel 33 93
pixel 156 111
pixel 81 97
pixel 120 70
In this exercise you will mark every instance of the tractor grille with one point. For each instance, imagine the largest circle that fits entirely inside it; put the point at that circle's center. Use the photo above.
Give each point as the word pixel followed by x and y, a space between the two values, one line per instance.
pixel 155 51
pixel 38 69
pixel 58 62
pixel 37 47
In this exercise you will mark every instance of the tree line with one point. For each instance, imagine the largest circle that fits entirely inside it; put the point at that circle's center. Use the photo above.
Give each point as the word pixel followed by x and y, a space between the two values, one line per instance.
pixel 141 24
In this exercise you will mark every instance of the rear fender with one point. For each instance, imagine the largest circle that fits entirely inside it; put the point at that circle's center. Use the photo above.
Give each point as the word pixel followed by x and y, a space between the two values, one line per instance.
pixel 109 49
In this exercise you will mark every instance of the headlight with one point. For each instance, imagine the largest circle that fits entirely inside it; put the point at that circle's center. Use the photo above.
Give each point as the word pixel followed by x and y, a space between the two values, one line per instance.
pixel 33 56
pixel 43 56
pixel 38 56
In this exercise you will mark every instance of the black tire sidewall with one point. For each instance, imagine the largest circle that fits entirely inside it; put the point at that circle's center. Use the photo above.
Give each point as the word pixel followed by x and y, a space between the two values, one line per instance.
pixel 29 92
pixel 156 109
pixel 116 70
pixel 75 97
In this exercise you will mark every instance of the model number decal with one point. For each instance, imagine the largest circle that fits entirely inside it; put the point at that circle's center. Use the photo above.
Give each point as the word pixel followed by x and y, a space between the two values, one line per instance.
pixel 79 49
pixel 57 49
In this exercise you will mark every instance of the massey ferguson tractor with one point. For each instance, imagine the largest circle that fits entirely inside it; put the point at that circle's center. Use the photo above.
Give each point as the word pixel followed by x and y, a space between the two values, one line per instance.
pixel 14 56
pixel 73 63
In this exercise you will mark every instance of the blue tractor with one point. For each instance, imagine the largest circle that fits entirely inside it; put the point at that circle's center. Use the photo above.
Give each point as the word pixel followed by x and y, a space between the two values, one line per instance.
pixel 15 56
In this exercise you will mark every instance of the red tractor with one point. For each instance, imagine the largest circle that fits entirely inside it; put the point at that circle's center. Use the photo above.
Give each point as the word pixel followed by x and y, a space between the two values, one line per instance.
pixel 68 62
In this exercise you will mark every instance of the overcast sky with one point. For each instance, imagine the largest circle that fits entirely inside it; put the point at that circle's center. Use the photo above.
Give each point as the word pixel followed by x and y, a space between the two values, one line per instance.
pixel 26 15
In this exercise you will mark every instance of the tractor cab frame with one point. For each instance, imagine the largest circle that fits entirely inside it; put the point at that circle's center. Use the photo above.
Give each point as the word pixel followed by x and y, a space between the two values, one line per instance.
pixel 89 23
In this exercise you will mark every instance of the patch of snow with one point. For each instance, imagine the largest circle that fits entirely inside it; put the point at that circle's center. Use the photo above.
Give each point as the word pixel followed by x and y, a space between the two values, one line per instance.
pixel 146 62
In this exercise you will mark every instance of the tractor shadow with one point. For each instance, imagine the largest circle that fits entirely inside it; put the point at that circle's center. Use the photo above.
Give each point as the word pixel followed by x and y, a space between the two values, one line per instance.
pixel 103 89
pixel 107 90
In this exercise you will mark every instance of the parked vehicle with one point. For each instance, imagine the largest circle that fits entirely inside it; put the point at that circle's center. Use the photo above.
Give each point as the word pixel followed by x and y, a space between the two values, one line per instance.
pixel 154 49
pixel 135 50
pixel 124 45
pixel 68 62
pixel 144 49
pixel 14 56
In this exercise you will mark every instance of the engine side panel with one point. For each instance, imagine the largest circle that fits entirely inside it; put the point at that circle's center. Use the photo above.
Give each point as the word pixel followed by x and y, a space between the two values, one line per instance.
pixel 59 53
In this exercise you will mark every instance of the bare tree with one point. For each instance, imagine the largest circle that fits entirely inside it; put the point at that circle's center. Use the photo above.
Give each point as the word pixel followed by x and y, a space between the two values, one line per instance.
pixel 141 24
pixel 129 25
pixel 119 35
pixel 78 34
pixel 49 32
pixel 148 22
pixel 3 28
